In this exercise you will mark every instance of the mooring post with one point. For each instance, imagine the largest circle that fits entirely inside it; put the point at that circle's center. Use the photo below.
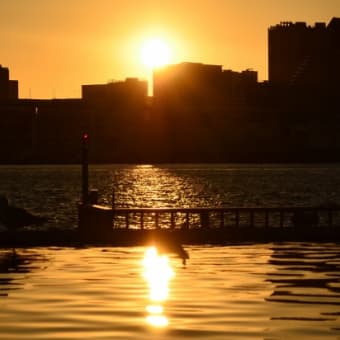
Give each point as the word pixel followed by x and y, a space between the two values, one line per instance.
pixel 85 168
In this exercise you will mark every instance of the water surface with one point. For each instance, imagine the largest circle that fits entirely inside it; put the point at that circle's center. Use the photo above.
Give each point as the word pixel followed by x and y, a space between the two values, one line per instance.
pixel 271 291
pixel 54 191
pixel 262 291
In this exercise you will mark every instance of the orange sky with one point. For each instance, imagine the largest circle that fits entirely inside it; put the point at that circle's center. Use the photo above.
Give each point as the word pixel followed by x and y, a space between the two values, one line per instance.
pixel 52 47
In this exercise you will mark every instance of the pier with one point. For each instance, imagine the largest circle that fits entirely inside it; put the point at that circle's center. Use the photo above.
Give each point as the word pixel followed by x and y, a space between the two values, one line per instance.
pixel 106 226
pixel 210 225
pixel 127 226
pixel 202 225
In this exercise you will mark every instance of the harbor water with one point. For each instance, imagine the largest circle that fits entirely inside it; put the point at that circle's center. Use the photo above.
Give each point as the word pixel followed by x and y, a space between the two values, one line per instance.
pixel 236 291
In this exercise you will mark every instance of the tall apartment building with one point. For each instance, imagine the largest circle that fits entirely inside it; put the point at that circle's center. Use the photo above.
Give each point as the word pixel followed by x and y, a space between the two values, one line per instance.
pixel 8 88
pixel 304 55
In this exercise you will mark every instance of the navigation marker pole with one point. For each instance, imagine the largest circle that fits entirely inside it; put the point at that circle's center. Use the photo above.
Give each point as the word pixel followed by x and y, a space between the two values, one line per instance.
pixel 85 168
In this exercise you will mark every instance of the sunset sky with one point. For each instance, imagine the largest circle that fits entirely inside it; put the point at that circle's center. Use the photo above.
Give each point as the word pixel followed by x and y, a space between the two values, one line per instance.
pixel 52 47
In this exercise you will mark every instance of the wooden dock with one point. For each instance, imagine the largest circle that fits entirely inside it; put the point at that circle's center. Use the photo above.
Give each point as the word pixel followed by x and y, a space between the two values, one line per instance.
pixel 201 225
pixel 105 226
pixel 210 225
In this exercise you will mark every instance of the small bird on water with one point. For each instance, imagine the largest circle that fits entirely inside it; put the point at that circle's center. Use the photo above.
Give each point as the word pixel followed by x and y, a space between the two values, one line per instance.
pixel 169 245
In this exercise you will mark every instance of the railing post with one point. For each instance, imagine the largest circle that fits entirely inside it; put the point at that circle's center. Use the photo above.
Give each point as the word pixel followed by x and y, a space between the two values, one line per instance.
pixel 204 216
pixel 187 219
pixel 113 198
pixel 157 220
pixel 172 220
pixel 127 222
pixel 142 220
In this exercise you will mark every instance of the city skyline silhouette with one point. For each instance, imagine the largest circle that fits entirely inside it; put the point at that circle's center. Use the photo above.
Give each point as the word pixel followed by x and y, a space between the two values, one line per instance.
pixel 54 48
pixel 198 113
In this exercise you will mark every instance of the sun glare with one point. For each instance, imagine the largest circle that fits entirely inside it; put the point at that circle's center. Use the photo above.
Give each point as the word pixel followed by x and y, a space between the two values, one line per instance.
pixel 155 53
pixel 157 272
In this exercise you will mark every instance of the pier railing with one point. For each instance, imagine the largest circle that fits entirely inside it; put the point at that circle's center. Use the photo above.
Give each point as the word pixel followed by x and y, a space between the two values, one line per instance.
pixel 254 217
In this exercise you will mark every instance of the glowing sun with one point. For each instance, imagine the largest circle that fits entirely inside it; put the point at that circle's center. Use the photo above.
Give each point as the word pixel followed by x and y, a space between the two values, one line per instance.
pixel 155 53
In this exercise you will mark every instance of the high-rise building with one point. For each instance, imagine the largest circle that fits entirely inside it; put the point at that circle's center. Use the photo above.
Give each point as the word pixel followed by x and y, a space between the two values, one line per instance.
pixel 4 79
pixel 8 88
pixel 304 55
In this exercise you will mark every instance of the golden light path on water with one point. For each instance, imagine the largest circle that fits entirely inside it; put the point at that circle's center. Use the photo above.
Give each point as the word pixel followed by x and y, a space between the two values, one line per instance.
pixel 157 272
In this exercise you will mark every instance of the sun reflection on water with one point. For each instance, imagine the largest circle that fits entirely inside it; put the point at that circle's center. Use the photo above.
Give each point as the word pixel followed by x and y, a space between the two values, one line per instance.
pixel 157 272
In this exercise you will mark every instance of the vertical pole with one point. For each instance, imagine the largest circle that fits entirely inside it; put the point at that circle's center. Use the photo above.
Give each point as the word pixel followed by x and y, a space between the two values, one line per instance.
pixel 157 219
pixel 35 133
pixel 113 197
pixel 113 200
pixel 187 220
pixel 172 220
pixel 142 220
pixel 85 168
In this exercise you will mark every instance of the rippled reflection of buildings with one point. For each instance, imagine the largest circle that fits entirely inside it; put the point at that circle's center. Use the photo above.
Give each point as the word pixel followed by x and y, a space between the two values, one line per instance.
pixel 198 113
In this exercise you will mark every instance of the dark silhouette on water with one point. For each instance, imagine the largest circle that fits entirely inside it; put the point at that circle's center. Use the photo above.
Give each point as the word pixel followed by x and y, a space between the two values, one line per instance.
pixel 14 218
pixel 166 245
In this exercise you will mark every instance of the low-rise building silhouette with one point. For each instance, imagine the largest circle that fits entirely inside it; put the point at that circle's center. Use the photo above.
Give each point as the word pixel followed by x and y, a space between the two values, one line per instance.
pixel 132 91
pixel 201 86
